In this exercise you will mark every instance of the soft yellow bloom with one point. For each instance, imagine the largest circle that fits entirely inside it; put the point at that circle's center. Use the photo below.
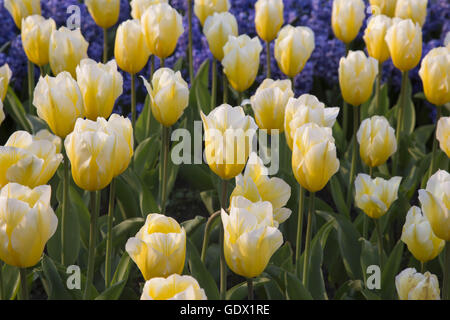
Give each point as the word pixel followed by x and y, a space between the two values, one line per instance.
pixel 205 8
pixel 412 285
pixel 269 103
pixel 416 10
pixel 435 74
pixel 268 18
pixel 314 159
pixel 27 222
pixel 131 50
pixel 443 134
pixel 404 39
pixel 138 7
pixel 169 95
pixel 435 201
pixel 36 32
pixel 255 185
pixel 159 248
pixel 218 27
pixel 376 140
pixel 20 9
pixel 357 74
pixel 386 7
pixel 29 160
pixel 347 18
pixel 162 25
pixel 374 37
pixel 104 12
pixel 122 129
pixel 248 230
pixel 174 287
pixel 418 236
pixel 44 134
pixel 375 196
pixel 100 85
pixel 241 61
pixel 59 102
pixel 5 76
pixel 305 109
pixel 228 136
pixel 2 114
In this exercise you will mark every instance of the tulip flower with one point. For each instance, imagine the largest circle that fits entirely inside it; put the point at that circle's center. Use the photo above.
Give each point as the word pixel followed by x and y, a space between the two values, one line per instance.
pixel 174 287
pixel 205 8
pixel 218 27
pixel 5 76
pixel 374 37
pixel 2 114
pixel 435 74
pixel 443 134
pixel 386 7
pixel 412 285
pixel 20 9
pixel 416 10
pixel 100 85
pixel 159 248
pixel 347 18
pixel 104 12
pixel 44 134
pixel 268 18
pixel 138 7
pixel 36 32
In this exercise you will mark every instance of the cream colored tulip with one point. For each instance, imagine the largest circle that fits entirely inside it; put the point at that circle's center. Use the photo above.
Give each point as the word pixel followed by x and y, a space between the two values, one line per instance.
pixel 159 248
pixel 268 18
pixel 443 134
pixel 104 12
pixel 412 285
pixel 174 287
pixel 169 95
pixel 375 196
pixel 241 61
pixel 374 37
pixel 100 85
pixel 44 134
pixel 205 8
pixel 36 32
pixel 347 18
pixel 218 27
pixel 5 77
pixel 293 48
pixel 357 75
pixel 27 222
pixel 269 104
pixel 2 114
pixel 435 201
pixel 20 9
pixel 122 129
pixel 138 7
pixel 416 10
pixel 386 7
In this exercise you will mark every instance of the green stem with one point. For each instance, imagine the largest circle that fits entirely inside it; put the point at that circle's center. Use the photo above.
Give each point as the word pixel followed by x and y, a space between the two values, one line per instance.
pixel 434 150
pixel 225 88
pixel 1 280
pixel 95 195
pixel 308 239
pixel 65 206
pixel 298 247
pixel 345 105
pixel 41 71
pixel 400 111
pixel 109 239
pixel 354 154
pixel 380 242
pixel 214 84
pixel 105 45
pixel 422 266
pixel 31 85
pixel 133 100
pixel 162 62
pixel 269 71
pixel 191 62
pixel 378 87
pixel 23 284
pixel 164 160
pixel 250 289
pixel 149 111
pixel 446 283
pixel 208 226
pixel 223 265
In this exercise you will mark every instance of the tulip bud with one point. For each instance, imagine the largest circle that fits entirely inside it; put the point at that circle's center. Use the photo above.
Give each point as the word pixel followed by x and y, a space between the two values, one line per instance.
pixel 416 10
pixel 44 134
pixel 20 9
pixel 376 140
pixel 375 196
pixel 435 75
pixel 131 50
pixel 305 109
pixel 293 48
pixel 404 39
pixel 36 32
pixel 347 18
pixel 241 61
pixel 314 159
pixel 412 285
pixel 357 74
pixel 100 85
pixel 386 7
pixel 27 222
pixel 268 18
pixel 205 8
pixel 436 205
pixel 104 12
pixel 374 37
pixel 138 7
pixel 59 102
pixel 269 103
pixel 255 185
pixel 162 25
pixel 5 76
pixel 249 229
pixel 174 287
pixel 443 134
pixel 228 138
pixel 122 129
pixel 218 27
pixel 159 248
pixel 418 236
pixel 169 95
pixel 2 114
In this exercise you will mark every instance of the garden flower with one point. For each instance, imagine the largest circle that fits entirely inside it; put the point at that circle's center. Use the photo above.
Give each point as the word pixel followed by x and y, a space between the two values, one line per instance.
pixel 36 32
pixel 268 18
pixel 443 134
pixel 20 9
pixel 138 7
pixel 174 287
pixel 347 18
pixel 5 76
pixel 412 285
pixel 386 7
pixel 218 27
pixel 205 8
pixel 416 10
pixel 121 128
pixel 104 12
pixel 374 37
pixel 44 134
pixel 159 248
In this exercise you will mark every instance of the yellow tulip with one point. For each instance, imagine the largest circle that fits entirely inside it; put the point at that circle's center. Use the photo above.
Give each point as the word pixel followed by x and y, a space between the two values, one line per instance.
pixel 375 196
pixel 20 9
pixel 228 136
pixel 357 74
pixel 268 18
pixel 159 248
pixel 347 18
pixel 412 285
pixel 416 10
pixel 386 7
pixel 205 8
pixel 241 61
pixel 104 12
pixel 36 32
pixel 435 75
pixel 44 134
pixel 174 287
pixel 5 76
pixel 443 134
pixel 218 27
pixel 100 85
pixel 2 114
pixel 249 229
pixel 374 37
pixel 404 39
pixel 131 50
pixel 123 147
pixel 419 237
pixel 27 222
pixel 138 7
pixel 293 48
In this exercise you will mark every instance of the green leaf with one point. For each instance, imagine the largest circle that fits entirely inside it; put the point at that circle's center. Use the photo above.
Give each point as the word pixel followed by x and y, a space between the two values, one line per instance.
pixel 15 109
pixel 295 289
pixel 390 270
pixel 146 154
pixel 123 269
pixel 201 88
pixel 56 288
pixel 191 225
pixel 11 281
pixel 338 196
pixel 240 291
pixel 122 232
pixel 113 292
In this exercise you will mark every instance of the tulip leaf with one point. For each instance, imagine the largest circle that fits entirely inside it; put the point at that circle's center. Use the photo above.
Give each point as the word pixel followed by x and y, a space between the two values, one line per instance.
pixel 146 154
pixel 200 88
pixel 14 107
pixel 240 291
pixel 11 281
pixel 295 290
pixel 390 270
pixel 122 232
pixel 191 225
pixel 338 196
pixel 113 292
pixel 127 199
pixel 55 286
pixel 123 269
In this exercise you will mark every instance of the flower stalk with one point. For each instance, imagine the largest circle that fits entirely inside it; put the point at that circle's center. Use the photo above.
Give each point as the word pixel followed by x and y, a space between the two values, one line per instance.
pixel 65 206
pixel 109 239
pixel 105 45
pixel 223 266
pixel 354 153
pixel 269 71
pixel 298 247
pixel 308 239
pixel 95 206
pixel 23 284
pixel 214 84
pixel 164 158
